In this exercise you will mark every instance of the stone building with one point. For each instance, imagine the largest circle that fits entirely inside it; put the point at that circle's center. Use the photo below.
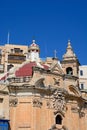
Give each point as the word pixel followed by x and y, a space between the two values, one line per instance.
pixel 44 95
pixel 83 77
pixel 12 55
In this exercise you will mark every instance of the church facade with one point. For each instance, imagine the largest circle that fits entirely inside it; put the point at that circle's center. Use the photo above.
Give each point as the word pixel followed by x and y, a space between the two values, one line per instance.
pixel 44 95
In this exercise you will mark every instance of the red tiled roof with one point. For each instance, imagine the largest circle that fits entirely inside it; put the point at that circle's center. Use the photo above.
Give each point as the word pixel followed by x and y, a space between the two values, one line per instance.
pixel 4 77
pixel 25 70
pixel 45 66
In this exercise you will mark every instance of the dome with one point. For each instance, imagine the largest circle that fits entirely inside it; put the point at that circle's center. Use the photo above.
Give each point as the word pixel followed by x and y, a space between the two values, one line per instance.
pixel 34 47
pixel 27 69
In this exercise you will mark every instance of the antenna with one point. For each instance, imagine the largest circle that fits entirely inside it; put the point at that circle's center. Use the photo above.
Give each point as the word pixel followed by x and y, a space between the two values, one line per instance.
pixel 55 52
pixel 8 38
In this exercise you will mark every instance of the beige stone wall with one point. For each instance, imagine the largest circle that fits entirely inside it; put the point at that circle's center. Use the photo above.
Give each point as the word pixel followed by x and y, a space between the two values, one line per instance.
pixel 4 102
pixel 25 116
pixel 4 106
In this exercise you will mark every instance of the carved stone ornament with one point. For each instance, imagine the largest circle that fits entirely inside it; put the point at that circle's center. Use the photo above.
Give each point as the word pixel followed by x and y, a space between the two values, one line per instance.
pixel 82 114
pixel 59 103
pixel 13 102
pixel 37 103
pixel 75 109
pixel 49 104
pixel 56 81
pixel 78 109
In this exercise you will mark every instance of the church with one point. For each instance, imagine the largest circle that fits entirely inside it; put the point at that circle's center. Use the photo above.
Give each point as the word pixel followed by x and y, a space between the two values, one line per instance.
pixel 42 94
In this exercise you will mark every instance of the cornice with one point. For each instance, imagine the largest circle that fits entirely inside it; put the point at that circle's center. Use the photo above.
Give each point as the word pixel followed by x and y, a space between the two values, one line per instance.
pixel 66 76
pixel 70 61
pixel 42 70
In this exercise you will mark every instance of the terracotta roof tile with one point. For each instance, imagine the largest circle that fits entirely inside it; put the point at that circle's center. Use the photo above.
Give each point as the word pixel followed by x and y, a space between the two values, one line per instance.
pixel 45 66
pixel 25 70
pixel 4 77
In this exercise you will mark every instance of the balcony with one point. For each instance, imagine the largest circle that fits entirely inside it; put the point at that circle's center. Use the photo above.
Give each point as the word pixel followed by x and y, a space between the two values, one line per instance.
pixel 16 58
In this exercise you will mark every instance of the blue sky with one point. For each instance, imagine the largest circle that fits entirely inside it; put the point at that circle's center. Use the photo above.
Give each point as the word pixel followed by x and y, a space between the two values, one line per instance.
pixel 50 22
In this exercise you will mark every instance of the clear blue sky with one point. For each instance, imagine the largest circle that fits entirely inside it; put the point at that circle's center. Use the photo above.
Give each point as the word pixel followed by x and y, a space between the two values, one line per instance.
pixel 50 22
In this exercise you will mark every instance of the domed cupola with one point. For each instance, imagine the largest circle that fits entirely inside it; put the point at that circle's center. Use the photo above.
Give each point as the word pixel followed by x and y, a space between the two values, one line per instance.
pixel 33 51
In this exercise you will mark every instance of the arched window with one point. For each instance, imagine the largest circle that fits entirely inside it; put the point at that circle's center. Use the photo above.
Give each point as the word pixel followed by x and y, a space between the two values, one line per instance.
pixel 58 119
pixel 69 71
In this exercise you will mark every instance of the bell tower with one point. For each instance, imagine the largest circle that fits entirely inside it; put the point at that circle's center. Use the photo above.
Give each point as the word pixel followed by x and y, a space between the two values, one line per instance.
pixel 70 63
pixel 33 52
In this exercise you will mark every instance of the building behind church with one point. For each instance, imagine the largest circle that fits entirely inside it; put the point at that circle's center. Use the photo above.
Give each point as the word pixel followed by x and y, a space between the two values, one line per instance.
pixel 41 95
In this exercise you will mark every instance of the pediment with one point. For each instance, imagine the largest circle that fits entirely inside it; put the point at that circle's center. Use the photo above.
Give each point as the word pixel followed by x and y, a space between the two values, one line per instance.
pixel 39 82
pixel 56 68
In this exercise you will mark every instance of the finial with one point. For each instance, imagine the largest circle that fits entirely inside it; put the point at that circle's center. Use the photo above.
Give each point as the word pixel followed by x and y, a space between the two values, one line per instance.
pixel 69 45
pixel 69 42
pixel 33 41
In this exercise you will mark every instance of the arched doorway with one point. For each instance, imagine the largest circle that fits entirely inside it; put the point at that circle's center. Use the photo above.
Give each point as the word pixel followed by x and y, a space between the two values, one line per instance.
pixel 58 120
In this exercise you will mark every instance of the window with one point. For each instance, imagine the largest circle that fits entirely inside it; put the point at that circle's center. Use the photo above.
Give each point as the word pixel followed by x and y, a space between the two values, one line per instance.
pixel 58 119
pixel 81 72
pixel 17 50
pixel 11 50
pixel 69 71
pixel 1 100
pixel 21 51
pixel 82 86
